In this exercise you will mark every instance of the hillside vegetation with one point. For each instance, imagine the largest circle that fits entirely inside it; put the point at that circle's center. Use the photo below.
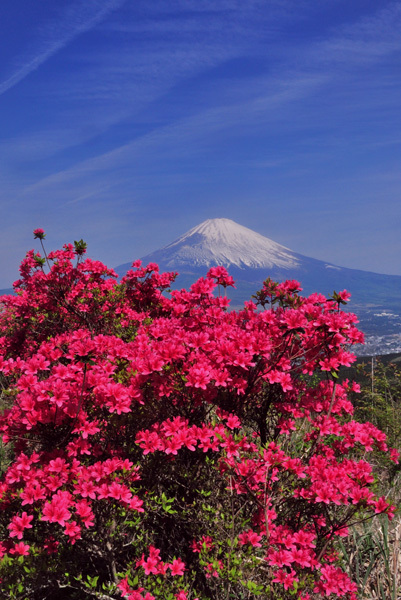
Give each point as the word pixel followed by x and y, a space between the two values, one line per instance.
pixel 158 446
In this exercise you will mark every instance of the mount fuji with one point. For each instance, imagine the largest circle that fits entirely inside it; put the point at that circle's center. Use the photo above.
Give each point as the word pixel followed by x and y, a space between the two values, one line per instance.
pixel 224 242
pixel 250 258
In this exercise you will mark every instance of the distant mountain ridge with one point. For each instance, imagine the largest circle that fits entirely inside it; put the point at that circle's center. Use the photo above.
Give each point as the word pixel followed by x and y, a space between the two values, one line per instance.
pixel 251 257
pixel 224 242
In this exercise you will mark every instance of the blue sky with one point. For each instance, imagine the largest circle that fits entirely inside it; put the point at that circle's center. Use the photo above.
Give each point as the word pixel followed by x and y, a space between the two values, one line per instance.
pixel 126 123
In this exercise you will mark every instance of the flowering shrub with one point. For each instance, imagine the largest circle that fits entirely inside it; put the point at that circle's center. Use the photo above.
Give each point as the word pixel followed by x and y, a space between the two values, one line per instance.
pixel 157 445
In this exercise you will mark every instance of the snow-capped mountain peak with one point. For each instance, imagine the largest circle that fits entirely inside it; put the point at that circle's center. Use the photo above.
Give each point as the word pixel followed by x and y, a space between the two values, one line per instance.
pixel 224 242
pixel 251 258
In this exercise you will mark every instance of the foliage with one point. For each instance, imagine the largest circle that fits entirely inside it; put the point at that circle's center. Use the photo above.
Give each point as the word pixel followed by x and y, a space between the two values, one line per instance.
pixel 372 550
pixel 380 403
pixel 373 555
pixel 158 445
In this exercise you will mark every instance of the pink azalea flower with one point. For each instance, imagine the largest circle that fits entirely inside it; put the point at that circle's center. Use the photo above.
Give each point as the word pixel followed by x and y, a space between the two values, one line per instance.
pixel 177 567
pixel 39 234
pixel 21 549
pixel 56 512
pixel 18 524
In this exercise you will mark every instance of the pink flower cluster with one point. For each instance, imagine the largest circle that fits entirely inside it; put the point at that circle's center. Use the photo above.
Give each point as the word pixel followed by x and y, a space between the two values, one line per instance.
pixel 153 564
pixel 102 375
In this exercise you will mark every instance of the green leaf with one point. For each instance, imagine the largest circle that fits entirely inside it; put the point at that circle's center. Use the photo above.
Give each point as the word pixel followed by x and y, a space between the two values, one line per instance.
pixel 80 247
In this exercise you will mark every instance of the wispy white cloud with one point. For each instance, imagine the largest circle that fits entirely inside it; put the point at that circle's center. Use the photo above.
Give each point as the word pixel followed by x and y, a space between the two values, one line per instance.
pixel 366 41
pixel 163 94
pixel 183 136
pixel 266 99
pixel 117 86
pixel 78 19
pixel 117 82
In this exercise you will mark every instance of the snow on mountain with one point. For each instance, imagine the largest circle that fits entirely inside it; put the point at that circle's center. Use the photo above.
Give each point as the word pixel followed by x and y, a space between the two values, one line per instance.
pixel 224 242
pixel 251 258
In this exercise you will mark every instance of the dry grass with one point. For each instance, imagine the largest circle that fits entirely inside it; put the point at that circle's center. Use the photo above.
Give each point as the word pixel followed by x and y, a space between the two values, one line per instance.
pixel 372 555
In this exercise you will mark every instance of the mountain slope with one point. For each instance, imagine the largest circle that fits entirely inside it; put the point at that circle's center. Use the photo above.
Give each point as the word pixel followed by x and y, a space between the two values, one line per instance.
pixel 250 258
pixel 224 242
